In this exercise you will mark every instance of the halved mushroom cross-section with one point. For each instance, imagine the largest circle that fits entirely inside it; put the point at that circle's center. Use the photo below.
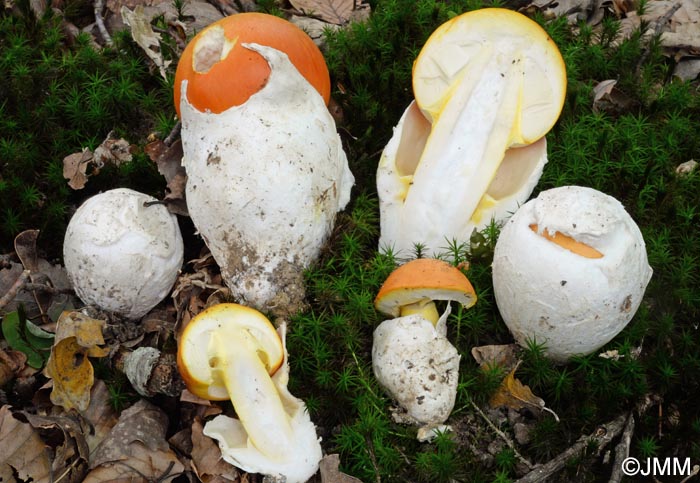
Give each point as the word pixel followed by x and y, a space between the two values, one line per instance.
pixel 488 86
pixel 230 351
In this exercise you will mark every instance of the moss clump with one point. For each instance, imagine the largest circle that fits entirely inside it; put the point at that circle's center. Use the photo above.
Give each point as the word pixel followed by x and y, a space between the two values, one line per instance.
pixel 58 96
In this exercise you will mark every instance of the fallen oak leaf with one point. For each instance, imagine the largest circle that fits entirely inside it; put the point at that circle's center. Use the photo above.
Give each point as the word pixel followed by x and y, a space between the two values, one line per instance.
pixel 514 394
pixel 69 450
pixel 11 363
pixel 100 416
pixel 488 356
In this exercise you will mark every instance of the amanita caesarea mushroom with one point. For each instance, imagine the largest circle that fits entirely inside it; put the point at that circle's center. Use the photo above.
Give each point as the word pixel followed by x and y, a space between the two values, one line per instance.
pixel 265 181
pixel 230 351
pixel 411 356
pixel 488 85
pixel 569 271
pixel 122 251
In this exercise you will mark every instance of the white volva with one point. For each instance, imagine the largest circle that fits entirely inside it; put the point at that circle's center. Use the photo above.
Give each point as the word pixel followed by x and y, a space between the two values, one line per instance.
pixel 416 364
pixel 122 255
pixel 265 181
pixel 571 303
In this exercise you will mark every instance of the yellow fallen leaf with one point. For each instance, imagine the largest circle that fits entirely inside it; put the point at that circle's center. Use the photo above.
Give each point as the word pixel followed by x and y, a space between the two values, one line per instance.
pixel 514 394
pixel 77 338
pixel 72 375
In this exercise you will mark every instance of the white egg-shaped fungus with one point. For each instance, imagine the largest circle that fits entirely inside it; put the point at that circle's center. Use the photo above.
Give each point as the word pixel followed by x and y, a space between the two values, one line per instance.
pixel 122 253
pixel 569 271
pixel 264 183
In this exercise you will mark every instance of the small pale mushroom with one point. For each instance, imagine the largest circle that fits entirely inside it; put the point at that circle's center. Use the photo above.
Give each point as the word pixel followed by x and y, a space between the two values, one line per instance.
pixel 569 271
pixel 411 356
pixel 488 85
pixel 230 351
pixel 123 251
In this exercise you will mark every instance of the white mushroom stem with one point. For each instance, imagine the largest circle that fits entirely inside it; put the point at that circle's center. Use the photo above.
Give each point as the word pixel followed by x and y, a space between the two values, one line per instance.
pixel 283 446
pixel 253 394
pixel 425 308
pixel 469 139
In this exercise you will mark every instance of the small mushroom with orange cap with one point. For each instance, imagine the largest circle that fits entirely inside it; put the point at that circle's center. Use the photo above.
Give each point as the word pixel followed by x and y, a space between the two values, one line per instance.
pixel 230 351
pixel 411 356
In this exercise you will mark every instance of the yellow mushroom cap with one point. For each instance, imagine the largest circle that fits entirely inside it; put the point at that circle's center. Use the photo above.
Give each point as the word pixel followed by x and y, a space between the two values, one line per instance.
pixel 423 279
pixel 504 37
pixel 232 322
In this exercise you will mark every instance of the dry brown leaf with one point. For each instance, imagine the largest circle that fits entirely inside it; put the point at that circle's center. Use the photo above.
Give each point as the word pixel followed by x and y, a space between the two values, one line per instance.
pixel 77 338
pixel 679 30
pixel 111 151
pixel 135 447
pixel 495 355
pixel 100 415
pixel 70 451
pixel 514 394
pixel 330 472
pixel 206 458
pixel 145 37
pixel 11 363
pixel 337 12
pixel 75 168
pixel 169 162
pixel 610 99
pixel 168 159
pixel 23 456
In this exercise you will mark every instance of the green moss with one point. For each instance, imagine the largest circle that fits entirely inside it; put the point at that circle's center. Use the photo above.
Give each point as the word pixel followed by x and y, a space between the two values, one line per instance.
pixel 62 96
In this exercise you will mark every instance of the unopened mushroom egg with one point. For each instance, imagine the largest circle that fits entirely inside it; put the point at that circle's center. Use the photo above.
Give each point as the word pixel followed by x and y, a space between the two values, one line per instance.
pixel 569 271
pixel 122 252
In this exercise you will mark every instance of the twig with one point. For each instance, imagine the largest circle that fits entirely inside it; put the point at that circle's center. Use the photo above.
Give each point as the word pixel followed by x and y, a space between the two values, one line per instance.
pixel 16 287
pixel 658 28
pixel 622 450
pixel 99 6
pixel 602 436
pixel 373 459
pixel 696 470
pixel 175 132
pixel 502 435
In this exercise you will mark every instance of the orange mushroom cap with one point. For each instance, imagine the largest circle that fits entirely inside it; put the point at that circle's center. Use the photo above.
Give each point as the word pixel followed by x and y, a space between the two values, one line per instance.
pixel 423 279
pixel 221 73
